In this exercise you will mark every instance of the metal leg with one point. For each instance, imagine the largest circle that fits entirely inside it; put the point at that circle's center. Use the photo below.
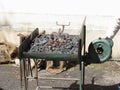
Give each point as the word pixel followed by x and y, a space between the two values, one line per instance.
pixel 80 64
pixel 25 76
pixel 30 68
pixel 36 76
pixel 84 54
pixel 81 77
pixel 27 70
pixel 21 73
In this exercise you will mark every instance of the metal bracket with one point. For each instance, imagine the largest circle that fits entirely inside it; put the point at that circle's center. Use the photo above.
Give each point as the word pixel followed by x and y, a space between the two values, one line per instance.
pixel 63 26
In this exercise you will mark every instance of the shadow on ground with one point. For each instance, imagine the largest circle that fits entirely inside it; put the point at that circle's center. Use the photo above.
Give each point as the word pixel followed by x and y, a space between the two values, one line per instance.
pixel 1 89
pixel 93 87
pixel 75 86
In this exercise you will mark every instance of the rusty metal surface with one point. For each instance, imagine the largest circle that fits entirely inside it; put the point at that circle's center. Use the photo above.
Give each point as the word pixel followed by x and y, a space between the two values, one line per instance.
pixel 25 45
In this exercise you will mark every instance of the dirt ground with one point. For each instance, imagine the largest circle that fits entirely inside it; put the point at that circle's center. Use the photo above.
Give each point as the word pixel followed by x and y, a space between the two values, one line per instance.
pixel 104 76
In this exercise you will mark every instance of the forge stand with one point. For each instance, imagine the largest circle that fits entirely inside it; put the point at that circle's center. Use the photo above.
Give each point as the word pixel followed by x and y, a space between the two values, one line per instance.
pixel 25 56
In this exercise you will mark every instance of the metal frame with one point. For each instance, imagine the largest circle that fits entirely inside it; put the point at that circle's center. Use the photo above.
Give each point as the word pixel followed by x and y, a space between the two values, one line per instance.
pixel 24 56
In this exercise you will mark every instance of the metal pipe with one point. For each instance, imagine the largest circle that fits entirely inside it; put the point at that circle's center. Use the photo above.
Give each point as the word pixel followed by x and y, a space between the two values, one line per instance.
pixel 21 72
pixel 50 56
pixel 55 87
pixel 52 78
pixel 35 61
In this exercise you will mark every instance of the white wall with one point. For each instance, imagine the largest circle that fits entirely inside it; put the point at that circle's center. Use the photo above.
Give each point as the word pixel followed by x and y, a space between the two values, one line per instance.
pixel 81 7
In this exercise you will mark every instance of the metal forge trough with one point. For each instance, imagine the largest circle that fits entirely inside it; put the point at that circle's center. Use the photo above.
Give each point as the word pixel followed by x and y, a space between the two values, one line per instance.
pixel 98 51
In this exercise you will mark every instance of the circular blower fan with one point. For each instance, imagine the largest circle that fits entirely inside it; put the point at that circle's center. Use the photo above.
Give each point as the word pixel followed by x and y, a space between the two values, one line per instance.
pixel 100 50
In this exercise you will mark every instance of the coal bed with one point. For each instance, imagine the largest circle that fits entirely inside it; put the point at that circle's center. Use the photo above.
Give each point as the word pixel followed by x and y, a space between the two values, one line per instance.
pixel 60 43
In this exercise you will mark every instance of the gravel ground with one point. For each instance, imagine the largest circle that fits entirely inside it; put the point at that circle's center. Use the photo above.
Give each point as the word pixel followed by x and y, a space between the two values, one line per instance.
pixel 104 76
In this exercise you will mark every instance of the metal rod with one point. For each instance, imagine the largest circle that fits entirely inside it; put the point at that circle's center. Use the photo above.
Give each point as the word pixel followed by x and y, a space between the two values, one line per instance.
pixel 52 78
pixel 80 63
pixel 63 26
pixel 81 75
pixel 24 70
pixel 50 56
pixel 35 60
pixel 52 87
pixel 55 87
pixel 82 67
pixel 21 73
pixel 83 70
pixel 84 54
pixel 29 67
